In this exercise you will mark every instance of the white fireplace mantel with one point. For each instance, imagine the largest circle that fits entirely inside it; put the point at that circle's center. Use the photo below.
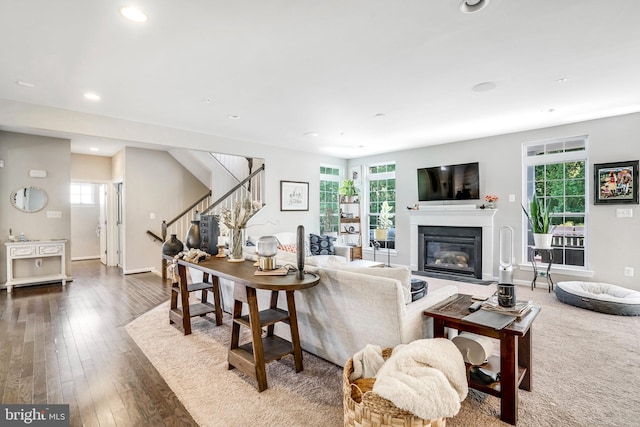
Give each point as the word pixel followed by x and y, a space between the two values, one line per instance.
pixel 454 217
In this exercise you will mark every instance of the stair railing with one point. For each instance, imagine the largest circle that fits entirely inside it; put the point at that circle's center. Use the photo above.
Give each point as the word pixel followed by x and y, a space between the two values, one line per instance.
pixel 180 224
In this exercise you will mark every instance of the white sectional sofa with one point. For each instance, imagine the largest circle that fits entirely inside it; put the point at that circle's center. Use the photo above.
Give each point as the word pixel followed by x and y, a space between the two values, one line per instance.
pixel 289 239
pixel 351 308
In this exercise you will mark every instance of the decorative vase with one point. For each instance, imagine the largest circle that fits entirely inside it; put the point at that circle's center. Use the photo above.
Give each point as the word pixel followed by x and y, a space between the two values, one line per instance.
pixel 380 234
pixel 236 241
pixel 491 205
pixel 300 249
pixel 506 295
pixel 192 239
pixel 542 241
pixel 172 246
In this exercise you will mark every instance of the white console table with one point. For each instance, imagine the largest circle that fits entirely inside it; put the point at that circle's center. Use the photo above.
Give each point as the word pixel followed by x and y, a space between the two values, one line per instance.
pixel 34 250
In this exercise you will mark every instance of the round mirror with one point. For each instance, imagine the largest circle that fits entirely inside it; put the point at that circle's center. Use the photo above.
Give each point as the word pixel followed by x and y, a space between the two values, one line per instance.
pixel 29 199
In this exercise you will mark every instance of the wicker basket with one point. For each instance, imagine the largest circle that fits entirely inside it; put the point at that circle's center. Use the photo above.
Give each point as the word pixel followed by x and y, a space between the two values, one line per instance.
pixel 375 410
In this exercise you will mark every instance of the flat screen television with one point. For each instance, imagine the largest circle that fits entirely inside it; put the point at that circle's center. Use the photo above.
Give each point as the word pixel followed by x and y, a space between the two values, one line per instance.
pixel 451 182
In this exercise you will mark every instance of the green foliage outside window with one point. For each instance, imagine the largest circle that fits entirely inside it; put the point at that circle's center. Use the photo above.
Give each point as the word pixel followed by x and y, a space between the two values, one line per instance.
pixel 382 188
pixel 561 185
pixel 329 184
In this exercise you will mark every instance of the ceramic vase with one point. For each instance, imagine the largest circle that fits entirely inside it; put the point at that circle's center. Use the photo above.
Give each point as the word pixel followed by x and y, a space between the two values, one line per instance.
pixel 542 241
pixel 192 240
pixel 300 249
pixel 380 233
pixel 172 246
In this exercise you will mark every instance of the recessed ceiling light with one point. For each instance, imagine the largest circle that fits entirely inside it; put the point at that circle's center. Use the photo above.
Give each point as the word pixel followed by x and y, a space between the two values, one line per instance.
pixel 562 80
pixel 379 115
pixel 484 86
pixel 133 14
pixel 92 96
pixel 233 116
pixel 473 6
pixel 310 134
pixel 94 149
pixel 25 84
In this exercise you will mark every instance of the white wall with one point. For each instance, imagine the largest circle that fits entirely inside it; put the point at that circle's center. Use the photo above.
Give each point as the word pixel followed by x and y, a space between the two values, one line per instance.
pixel 85 242
pixel 612 241
pixel 96 170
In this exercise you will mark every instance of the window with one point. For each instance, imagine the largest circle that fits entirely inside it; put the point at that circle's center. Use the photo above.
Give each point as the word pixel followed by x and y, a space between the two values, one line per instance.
pixel 381 179
pixel 329 184
pixel 81 194
pixel 556 171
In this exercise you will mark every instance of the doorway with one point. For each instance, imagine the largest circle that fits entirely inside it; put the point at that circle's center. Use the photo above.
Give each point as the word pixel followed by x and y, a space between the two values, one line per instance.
pixel 87 205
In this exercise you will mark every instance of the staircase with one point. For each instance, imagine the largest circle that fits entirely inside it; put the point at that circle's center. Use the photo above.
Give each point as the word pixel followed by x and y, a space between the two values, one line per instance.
pixel 251 188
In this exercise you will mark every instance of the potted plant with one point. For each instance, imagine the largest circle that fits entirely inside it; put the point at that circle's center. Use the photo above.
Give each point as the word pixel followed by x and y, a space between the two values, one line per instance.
pixel 539 219
pixel 384 222
pixel 348 190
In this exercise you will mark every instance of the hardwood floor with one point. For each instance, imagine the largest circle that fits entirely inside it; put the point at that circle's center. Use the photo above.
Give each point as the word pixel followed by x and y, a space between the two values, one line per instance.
pixel 68 345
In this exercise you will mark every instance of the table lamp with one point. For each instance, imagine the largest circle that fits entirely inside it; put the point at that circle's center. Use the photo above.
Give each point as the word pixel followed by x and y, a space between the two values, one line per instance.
pixel 267 250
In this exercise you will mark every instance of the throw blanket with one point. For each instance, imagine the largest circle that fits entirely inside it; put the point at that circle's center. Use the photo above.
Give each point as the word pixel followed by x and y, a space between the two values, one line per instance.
pixel 367 362
pixel 425 377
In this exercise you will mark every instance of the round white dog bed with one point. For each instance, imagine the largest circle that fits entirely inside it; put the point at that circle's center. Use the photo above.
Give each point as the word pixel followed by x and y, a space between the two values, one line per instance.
pixel 602 297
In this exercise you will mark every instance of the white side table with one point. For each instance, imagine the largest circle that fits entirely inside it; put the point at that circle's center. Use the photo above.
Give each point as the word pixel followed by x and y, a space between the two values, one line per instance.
pixel 33 250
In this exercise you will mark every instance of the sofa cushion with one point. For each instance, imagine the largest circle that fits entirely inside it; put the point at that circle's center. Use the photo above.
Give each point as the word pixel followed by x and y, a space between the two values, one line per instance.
pixel 403 274
pixel 321 245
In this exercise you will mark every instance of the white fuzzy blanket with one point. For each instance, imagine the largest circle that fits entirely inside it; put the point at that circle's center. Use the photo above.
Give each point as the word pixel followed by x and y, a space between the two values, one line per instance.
pixel 367 362
pixel 425 377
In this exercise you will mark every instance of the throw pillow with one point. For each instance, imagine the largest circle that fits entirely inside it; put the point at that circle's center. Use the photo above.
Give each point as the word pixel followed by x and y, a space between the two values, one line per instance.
pixel 321 245
pixel 287 248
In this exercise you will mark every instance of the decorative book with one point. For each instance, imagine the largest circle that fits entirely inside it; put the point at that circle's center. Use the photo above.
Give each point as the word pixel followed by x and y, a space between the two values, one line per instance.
pixel 281 271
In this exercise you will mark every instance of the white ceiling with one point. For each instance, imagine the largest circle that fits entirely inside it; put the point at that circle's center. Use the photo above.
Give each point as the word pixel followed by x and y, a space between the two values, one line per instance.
pixel 288 67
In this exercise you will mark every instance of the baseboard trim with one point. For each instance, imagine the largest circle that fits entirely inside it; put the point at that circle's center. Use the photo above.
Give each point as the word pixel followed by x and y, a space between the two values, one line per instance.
pixel 138 270
pixel 84 258
pixel 142 270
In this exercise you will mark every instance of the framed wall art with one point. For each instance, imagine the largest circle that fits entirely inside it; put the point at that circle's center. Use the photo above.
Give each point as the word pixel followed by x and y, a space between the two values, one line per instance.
pixel 294 196
pixel 616 183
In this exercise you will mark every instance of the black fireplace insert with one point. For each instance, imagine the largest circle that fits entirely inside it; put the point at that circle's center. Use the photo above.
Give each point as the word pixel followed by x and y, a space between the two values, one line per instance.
pixel 452 250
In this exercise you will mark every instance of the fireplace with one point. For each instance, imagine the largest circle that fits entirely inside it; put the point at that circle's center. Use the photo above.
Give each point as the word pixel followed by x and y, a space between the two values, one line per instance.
pixel 455 216
pixel 454 250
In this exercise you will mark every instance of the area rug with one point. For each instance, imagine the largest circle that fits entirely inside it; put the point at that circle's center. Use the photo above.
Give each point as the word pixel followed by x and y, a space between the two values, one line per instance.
pixel 586 372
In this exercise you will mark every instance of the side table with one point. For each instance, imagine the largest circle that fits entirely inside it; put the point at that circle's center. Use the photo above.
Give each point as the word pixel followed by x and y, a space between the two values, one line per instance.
pixel 538 252
pixel 514 363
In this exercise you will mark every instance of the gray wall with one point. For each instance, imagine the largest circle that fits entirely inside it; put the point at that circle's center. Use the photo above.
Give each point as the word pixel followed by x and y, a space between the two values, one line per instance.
pixel 154 182
pixel 612 241
pixel 21 153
